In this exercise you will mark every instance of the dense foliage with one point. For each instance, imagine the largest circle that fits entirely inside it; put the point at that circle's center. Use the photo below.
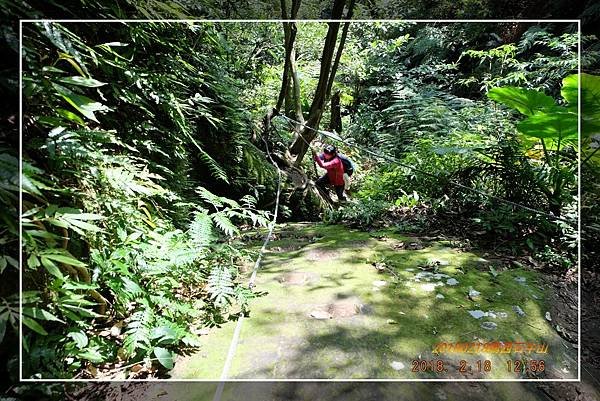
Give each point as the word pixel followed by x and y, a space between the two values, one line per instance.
pixel 144 161
pixel 434 117
pixel 123 256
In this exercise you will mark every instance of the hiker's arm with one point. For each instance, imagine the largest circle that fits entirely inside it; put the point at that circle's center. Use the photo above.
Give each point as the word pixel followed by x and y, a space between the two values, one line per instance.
pixel 329 163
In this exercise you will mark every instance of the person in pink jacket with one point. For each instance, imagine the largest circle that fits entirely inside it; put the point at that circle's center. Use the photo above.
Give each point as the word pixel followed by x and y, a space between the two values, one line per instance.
pixel 335 171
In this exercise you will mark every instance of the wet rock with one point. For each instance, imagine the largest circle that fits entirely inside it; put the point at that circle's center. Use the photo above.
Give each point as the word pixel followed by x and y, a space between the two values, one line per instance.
pixel 477 314
pixel 489 325
pixel 440 395
pixel 317 255
pixel 380 266
pixel 473 293
pixel 519 311
pixel 347 308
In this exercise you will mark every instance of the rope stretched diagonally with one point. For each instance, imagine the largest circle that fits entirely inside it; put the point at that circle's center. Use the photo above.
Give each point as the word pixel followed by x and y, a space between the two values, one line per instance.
pixel 238 327
pixel 454 183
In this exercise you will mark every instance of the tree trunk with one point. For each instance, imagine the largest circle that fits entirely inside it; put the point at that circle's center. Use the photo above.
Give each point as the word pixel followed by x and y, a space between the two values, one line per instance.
pixel 289 31
pixel 326 76
pixel 336 118
pixel 297 100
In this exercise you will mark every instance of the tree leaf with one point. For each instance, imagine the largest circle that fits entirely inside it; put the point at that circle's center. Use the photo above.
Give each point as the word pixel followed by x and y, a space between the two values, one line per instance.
pixel 62 256
pixel 33 325
pixel 526 101
pixel 80 338
pixel 82 81
pixel 83 104
pixel 51 267
pixel 549 125
pixel 164 334
pixel 91 355
pixel 569 90
pixel 164 357
pixel 40 314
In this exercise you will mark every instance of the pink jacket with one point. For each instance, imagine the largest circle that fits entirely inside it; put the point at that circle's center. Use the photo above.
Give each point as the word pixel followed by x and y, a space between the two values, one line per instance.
pixel 335 169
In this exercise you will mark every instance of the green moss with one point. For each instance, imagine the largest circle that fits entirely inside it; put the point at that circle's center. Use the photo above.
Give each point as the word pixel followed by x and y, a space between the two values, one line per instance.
pixel 403 319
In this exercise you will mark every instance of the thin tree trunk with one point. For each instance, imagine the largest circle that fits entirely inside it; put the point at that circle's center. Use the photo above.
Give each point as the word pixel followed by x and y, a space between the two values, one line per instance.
pixel 336 118
pixel 297 100
pixel 289 30
pixel 338 55
pixel 327 74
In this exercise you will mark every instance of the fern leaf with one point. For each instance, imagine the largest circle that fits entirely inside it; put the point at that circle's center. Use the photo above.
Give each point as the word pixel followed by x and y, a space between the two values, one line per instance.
pixel 220 285
pixel 201 230
pixel 222 221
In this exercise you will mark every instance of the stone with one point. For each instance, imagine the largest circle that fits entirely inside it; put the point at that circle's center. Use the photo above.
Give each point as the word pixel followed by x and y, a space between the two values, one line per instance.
pixel 379 283
pixel 439 296
pixel 477 314
pixel 519 311
pixel 346 308
pixel 489 325
pixel 520 280
pixel 548 318
pixel 452 281
pixel 397 365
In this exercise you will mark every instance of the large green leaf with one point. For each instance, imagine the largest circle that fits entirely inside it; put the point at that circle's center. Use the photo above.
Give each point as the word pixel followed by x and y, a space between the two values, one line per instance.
pixel 163 334
pixel 80 338
pixel 590 105
pixel 62 256
pixel 82 81
pixel 83 104
pixel 40 314
pixel 33 325
pixel 569 90
pixel 555 126
pixel 164 357
pixel 526 101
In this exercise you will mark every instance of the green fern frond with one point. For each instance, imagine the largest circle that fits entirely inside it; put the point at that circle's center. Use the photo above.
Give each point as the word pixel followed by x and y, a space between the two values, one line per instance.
pixel 220 285
pixel 201 230
pixel 224 224
pixel 137 333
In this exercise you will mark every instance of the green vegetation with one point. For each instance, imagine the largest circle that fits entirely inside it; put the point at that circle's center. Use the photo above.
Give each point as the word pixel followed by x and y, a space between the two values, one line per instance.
pixel 147 184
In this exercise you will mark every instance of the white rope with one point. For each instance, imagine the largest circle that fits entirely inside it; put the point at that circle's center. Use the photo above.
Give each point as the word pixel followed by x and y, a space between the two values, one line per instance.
pixel 238 327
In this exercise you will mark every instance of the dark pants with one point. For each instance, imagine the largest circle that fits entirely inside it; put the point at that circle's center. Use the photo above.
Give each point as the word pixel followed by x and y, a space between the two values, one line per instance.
pixel 323 182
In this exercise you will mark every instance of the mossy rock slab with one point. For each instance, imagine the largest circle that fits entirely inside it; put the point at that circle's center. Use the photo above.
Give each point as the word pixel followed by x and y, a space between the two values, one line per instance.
pixel 374 329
